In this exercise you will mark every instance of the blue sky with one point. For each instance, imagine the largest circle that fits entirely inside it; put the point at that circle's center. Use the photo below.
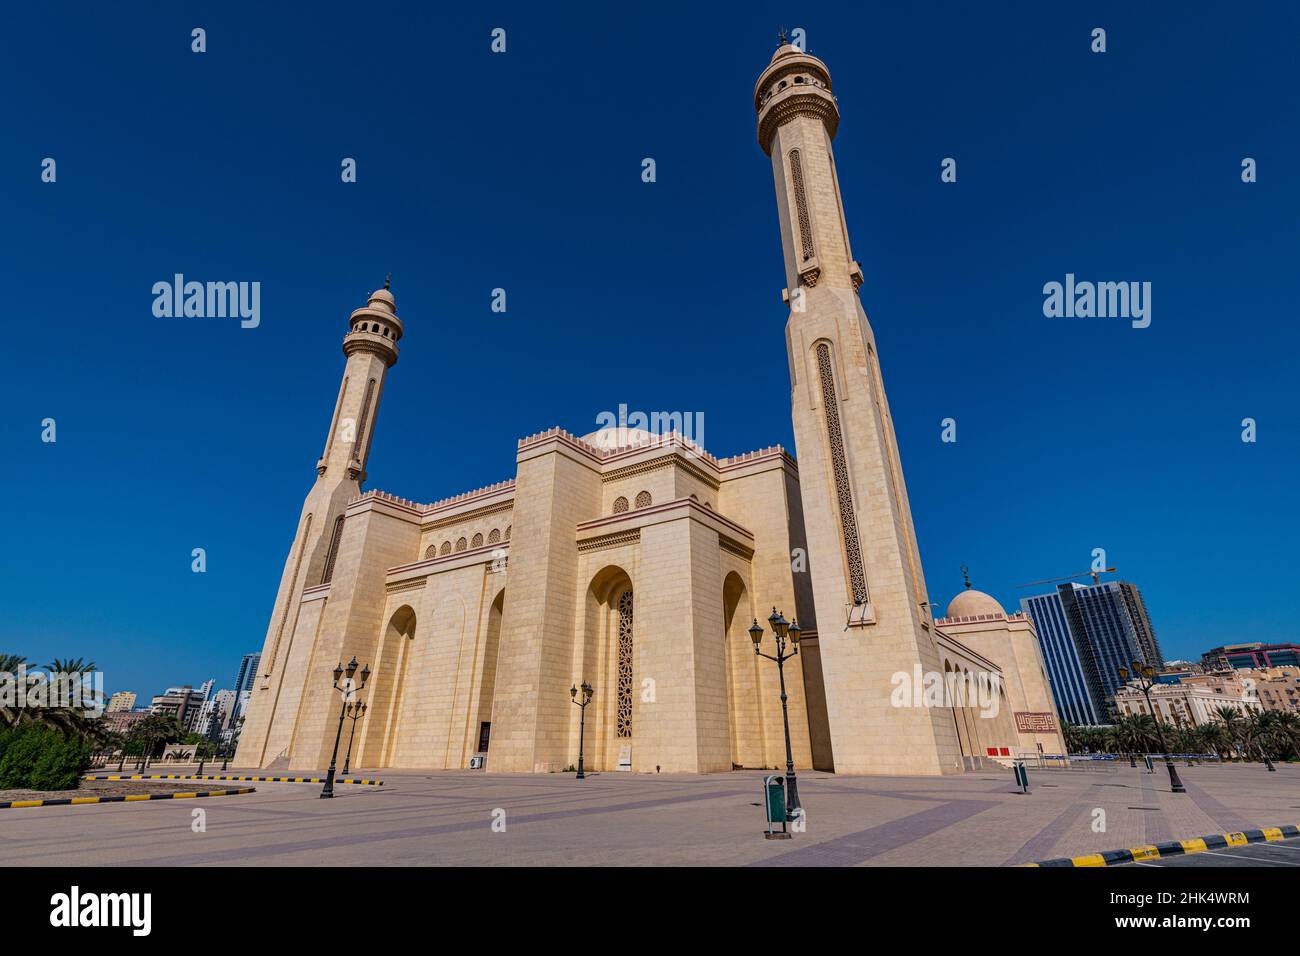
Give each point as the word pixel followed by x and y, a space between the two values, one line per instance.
pixel 522 171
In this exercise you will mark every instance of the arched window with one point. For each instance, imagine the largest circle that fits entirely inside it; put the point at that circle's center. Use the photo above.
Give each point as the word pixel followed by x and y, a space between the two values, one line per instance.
pixel 446 548
pixel 460 545
pixel 625 664
pixel 477 542
pixel 431 551
pixel 494 536
pixel 643 499
pixel 620 505
pixel 507 536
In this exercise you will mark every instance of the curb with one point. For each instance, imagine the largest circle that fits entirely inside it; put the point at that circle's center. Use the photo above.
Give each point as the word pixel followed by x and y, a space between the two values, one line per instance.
pixel 123 798
pixel 178 776
pixel 1213 841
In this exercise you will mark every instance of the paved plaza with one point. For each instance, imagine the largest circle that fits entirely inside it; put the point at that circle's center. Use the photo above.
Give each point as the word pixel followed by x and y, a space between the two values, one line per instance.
pixel 447 817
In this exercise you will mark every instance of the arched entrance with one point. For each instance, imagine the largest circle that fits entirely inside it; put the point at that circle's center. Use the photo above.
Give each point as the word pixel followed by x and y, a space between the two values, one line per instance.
pixel 744 702
pixel 607 658
pixel 384 691
pixel 481 724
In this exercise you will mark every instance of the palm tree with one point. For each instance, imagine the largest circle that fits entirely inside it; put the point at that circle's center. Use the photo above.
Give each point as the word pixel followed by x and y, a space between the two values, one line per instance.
pixel 1286 726
pixel 1262 731
pixel 9 664
pixel 71 665
pixel 1212 738
pixel 1232 727
pixel 1134 734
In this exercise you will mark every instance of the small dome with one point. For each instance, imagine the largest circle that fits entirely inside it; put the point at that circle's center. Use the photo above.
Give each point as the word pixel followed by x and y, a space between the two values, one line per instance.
pixel 972 603
pixel 616 437
pixel 384 298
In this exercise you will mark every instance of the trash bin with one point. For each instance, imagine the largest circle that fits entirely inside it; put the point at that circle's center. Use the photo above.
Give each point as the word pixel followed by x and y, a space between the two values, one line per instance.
pixel 1021 775
pixel 774 806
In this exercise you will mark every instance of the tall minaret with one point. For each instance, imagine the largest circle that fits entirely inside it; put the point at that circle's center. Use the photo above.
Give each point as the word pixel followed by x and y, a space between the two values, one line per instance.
pixel 873 618
pixel 371 349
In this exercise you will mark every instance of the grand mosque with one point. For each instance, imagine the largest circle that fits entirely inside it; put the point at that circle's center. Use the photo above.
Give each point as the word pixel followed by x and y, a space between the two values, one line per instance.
pixel 638 561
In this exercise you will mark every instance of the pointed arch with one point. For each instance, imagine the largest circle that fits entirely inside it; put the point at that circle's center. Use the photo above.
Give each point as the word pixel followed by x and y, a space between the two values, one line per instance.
pixel 386 687
pixel 745 701
pixel 607 657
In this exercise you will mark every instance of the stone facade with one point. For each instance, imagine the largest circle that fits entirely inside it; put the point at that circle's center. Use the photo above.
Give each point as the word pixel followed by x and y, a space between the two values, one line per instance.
pixel 637 562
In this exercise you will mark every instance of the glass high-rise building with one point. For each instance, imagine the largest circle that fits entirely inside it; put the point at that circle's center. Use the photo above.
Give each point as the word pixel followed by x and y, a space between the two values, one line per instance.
pixel 247 672
pixel 244 682
pixel 1087 634
pixel 1066 673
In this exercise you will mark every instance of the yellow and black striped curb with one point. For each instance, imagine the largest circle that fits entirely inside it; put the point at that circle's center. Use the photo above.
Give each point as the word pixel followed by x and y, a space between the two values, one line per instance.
pixel 180 776
pixel 1213 841
pixel 123 798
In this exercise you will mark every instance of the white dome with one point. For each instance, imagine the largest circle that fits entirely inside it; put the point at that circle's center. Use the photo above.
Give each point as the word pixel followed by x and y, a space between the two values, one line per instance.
pixel 972 603
pixel 616 437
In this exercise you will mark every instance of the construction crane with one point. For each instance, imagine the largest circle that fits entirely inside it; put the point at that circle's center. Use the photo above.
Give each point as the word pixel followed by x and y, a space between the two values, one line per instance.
pixel 1096 578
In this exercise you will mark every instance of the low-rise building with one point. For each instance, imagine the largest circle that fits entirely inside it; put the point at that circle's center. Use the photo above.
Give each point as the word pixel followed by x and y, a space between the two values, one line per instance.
pixel 1252 655
pixel 1191 702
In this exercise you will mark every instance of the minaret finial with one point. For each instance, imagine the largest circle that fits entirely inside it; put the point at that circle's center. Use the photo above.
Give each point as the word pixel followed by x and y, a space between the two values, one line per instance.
pixel 965 573
pixel 781 39
pixel 388 281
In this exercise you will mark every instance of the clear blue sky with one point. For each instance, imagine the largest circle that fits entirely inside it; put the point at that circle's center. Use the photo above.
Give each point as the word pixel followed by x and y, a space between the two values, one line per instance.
pixel 522 171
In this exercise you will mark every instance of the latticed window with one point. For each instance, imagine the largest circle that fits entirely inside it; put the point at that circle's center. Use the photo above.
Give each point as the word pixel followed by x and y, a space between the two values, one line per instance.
pixel 801 205
pixel 620 505
pixel 507 532
pixel 625 664
pixel 840 472
pixel 431 551
pixel 494 536
pixel 460 544
pixel 333 552
pixel 643 499
pixel 477 542
pixel 446 548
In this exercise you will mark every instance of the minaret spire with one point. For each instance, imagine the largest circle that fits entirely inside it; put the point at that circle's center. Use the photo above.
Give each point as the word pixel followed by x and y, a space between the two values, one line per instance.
pixel 863 557
pixel 370 345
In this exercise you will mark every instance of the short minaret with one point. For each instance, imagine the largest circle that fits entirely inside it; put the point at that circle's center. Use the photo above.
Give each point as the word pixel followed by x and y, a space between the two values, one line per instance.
pixel 872 612
pixel 371 349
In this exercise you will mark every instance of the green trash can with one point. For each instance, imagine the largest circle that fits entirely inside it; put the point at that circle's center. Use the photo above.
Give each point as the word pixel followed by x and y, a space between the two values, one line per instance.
pixel 774 806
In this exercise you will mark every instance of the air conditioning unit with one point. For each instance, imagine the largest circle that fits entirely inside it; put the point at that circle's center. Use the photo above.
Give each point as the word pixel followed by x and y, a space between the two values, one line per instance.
pixel 478 762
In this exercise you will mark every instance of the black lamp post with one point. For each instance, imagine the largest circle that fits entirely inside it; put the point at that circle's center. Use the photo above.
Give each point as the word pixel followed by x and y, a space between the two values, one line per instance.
pixel 582 720
pixel 1144 677
pixel 355 712
pixel 345 688
pixel 782 629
